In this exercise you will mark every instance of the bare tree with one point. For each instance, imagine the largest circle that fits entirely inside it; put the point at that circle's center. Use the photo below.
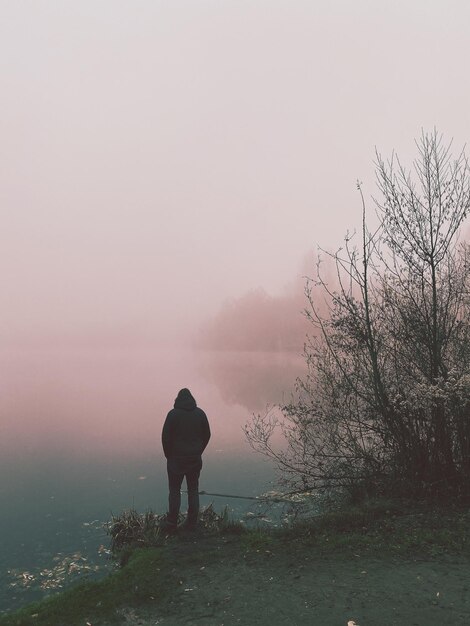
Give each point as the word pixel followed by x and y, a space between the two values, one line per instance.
pixel 387 396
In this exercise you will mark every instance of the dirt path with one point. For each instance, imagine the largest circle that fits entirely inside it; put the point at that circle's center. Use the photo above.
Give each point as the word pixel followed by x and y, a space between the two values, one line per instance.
pixel 292 585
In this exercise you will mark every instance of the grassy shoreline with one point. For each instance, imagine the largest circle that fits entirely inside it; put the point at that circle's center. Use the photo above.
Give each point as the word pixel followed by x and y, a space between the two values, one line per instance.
pixel 148 580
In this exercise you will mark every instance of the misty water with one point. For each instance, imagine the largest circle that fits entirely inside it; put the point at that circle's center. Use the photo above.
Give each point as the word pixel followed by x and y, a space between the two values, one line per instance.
pixel 81 440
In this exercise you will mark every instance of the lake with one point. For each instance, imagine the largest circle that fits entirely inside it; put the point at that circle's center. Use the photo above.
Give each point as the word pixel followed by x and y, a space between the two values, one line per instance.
pixel 81 440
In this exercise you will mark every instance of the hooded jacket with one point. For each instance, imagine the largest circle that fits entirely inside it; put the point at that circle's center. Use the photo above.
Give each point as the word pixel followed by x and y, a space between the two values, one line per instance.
pixel 186 431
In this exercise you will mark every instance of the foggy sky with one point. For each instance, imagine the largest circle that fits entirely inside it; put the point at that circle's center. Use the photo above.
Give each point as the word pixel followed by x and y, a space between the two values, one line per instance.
pixel 160 157
pixel 160 160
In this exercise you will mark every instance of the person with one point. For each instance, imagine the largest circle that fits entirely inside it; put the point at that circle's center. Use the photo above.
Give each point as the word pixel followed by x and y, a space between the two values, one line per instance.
pixel 185 436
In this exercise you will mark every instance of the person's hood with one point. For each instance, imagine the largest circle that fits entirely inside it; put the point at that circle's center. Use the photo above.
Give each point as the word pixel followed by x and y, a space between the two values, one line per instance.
pixel 185 400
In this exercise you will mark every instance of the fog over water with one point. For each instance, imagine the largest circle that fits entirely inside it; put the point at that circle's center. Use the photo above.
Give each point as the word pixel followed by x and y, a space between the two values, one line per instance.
pixel 81 439
pixel 109 402
pixel 81 425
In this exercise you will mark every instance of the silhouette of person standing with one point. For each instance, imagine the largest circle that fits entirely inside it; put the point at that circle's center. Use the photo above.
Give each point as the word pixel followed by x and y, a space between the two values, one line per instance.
pixel 185 436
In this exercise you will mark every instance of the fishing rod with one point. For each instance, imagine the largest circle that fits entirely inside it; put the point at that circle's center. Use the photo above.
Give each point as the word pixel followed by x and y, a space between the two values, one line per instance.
pixel 257 498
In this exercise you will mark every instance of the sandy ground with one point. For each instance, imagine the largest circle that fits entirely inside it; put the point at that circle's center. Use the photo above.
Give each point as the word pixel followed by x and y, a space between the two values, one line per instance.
pixel 292 585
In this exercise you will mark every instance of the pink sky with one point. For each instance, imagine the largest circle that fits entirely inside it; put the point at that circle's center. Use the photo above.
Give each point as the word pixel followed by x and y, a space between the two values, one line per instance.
pixel 158 158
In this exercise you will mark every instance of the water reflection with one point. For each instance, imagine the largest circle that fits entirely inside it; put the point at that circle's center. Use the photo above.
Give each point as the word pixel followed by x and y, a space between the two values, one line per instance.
pixel 251 350
pixel 253 379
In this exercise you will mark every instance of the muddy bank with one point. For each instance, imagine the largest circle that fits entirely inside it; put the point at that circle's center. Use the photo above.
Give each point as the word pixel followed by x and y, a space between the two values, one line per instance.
pixel 224 582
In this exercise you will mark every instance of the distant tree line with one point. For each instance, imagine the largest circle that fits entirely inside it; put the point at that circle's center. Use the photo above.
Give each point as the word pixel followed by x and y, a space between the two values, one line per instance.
pixel 257 322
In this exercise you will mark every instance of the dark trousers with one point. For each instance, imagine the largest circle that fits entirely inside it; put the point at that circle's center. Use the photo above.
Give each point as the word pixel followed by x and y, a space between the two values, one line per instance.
pixel 178 468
